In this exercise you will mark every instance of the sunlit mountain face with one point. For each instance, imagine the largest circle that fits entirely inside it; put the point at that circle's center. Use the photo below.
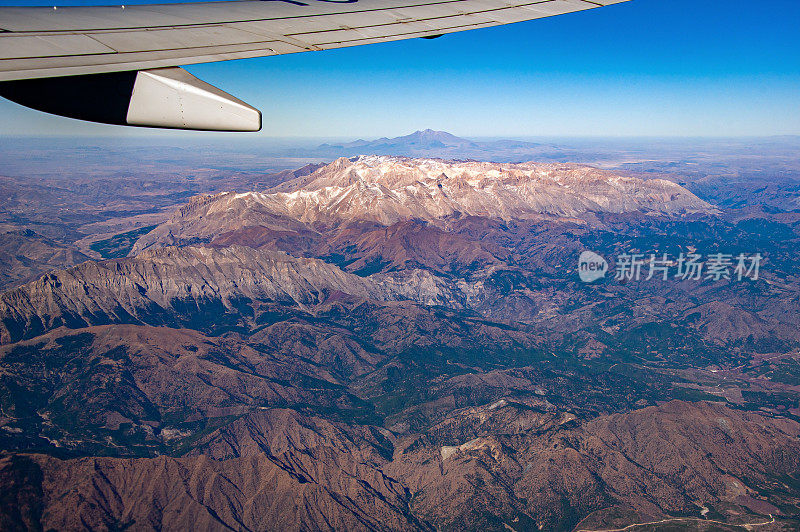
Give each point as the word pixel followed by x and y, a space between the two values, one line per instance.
pixel 437 335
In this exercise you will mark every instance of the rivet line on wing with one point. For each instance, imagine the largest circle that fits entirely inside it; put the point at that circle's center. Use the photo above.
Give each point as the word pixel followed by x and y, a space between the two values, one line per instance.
pixel 315 15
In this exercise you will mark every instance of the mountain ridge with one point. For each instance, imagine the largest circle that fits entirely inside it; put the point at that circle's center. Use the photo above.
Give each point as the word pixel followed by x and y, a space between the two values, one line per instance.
pixel 386 190
pixel 387 343
pixel 153 287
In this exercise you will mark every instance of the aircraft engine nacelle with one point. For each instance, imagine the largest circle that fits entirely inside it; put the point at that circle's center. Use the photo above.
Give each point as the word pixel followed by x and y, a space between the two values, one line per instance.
pixel 161 97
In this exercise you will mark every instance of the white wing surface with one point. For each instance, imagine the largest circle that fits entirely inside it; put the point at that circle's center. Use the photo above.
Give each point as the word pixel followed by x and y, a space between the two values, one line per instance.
pixel 39 42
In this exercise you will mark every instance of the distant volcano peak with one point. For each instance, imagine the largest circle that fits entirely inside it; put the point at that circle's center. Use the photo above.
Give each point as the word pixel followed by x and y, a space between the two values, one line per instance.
pixel 442 144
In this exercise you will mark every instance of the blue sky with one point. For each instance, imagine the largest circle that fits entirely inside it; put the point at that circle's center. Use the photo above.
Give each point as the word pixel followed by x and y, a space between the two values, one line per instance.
pixel 641 68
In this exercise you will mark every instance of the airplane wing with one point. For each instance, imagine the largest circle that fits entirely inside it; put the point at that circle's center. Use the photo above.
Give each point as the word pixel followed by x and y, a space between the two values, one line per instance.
pixel 48 51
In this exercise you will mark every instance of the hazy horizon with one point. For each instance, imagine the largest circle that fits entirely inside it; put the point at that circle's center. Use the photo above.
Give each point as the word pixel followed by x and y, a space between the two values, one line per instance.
pixel 136 134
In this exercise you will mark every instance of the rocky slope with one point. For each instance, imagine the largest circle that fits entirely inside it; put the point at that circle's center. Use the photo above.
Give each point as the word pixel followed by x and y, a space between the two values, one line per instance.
pixel 394 344
pixel 386 190
pixel 136 390
pixel 172 286
pixel 25 254
pixel 659 461
pixel 278 469
pixel 290 473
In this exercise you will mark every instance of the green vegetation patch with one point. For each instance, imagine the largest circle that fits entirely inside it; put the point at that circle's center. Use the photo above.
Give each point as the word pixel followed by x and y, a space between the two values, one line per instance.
pixel 693 394
pixel 120 245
